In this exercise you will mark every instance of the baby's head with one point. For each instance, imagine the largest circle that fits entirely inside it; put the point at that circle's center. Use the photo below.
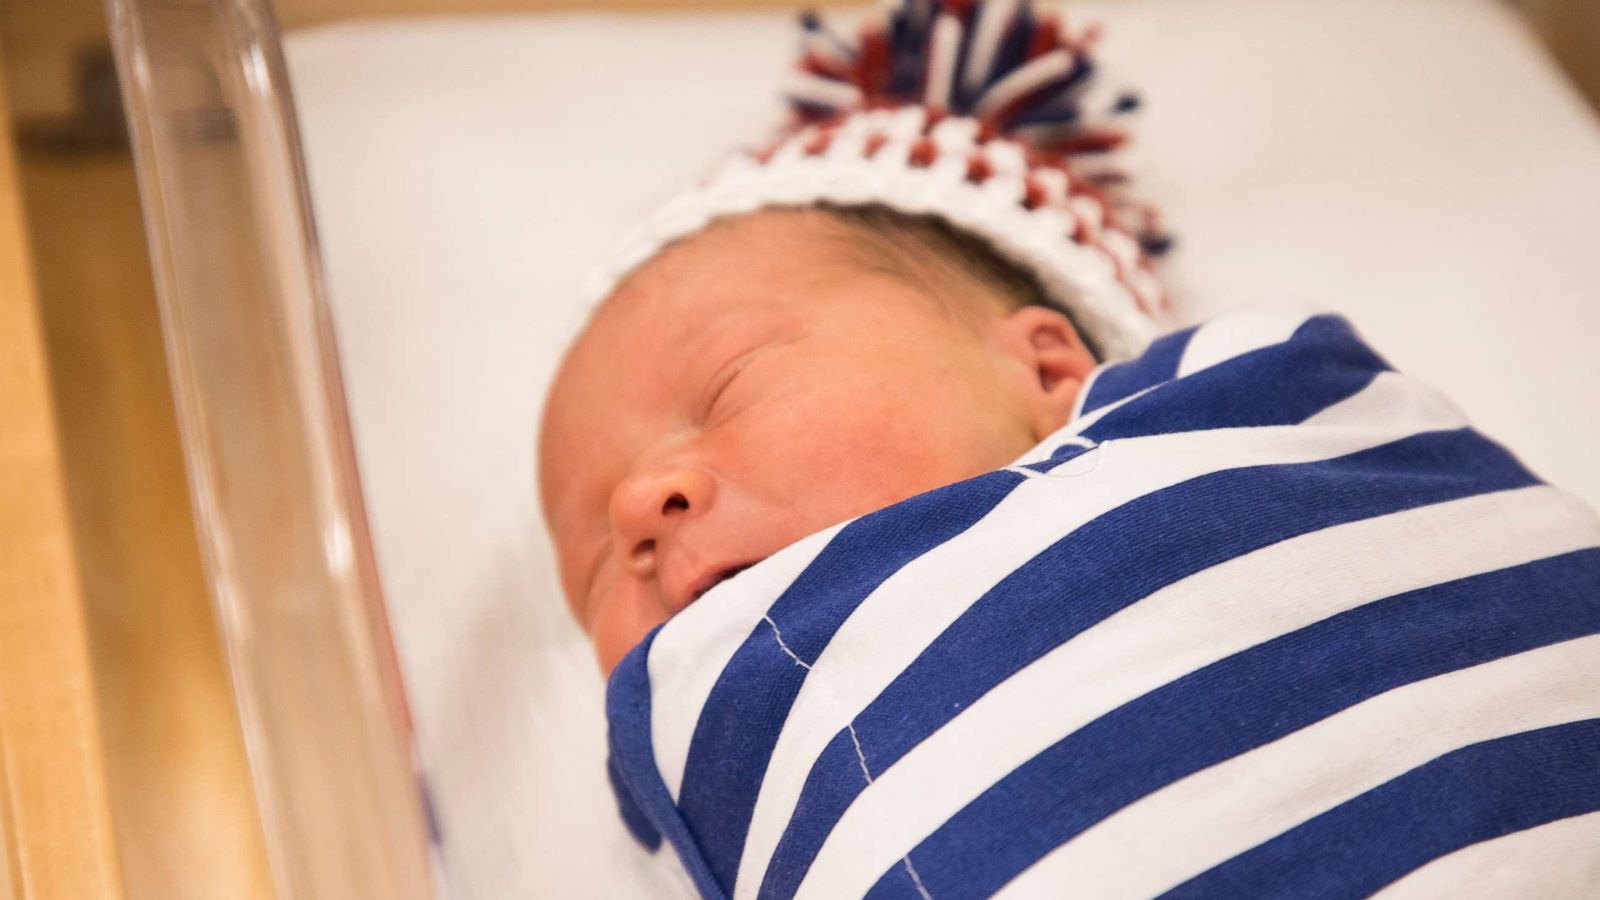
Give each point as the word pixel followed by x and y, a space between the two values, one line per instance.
pixel 756 377
pixel 775 374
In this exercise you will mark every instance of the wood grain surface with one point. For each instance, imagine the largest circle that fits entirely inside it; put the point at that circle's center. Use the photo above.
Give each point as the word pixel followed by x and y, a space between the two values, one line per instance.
pixel 181 814
pixel 58 830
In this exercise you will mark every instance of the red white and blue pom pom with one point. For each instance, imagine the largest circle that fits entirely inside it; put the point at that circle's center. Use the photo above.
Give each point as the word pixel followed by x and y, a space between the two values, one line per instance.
pixel 983 113
pixel 1024 75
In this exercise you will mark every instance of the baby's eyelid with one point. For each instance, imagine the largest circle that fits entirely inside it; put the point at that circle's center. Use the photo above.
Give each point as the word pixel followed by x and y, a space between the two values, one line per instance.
pixel 726 383
pixel 720 381
pixel 723 377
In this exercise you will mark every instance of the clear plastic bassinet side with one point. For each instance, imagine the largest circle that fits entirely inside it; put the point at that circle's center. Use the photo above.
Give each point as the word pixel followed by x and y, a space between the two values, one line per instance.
pixel 268 449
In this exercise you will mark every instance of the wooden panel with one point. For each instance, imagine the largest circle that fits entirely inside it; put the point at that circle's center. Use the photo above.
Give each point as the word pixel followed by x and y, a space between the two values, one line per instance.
pixel 58 840
pixel 42 41
pixel 180 797
pixel 180 791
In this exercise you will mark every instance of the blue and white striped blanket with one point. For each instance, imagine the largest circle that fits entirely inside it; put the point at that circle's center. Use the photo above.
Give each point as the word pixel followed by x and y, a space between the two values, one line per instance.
pixel 1266 618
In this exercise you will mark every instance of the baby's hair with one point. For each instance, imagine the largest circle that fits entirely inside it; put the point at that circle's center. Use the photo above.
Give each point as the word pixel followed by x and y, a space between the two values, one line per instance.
pixel 930 254
pixel 913 247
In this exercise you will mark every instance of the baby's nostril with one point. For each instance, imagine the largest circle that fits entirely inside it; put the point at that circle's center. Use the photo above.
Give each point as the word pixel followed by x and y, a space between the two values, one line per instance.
pixel 675 503
pixel 643 550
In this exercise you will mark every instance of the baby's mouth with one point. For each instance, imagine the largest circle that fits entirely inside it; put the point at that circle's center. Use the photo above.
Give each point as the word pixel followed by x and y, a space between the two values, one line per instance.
pixel 716 577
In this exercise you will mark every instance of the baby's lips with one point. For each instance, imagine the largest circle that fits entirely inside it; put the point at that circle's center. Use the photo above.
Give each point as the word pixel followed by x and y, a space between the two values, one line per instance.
pixel 713 577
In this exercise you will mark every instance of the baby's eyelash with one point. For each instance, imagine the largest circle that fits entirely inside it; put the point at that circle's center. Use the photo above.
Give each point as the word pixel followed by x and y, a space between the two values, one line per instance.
pixel 722 379
pixel 723 388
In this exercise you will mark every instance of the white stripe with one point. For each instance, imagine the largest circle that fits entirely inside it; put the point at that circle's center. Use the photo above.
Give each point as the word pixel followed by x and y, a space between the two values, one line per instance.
pixel 909 610
pixel 1390 397
pixel 827 47
pixel 1557 860
pixel 693 648
pixel 1185 626
pixel 993 17
pixel 1170 836
pixel 808 88
pixel 941 61
pixel 1239 333
pixel 1039 71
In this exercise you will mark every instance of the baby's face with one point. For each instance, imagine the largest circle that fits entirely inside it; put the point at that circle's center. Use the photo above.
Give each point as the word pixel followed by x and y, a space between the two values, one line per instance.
pixel 758 383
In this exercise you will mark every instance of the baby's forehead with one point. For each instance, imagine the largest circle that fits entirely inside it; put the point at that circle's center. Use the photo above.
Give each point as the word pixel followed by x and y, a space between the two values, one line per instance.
pixel 787 255
pixel 718 278
pixel 651 332
pixel 763 244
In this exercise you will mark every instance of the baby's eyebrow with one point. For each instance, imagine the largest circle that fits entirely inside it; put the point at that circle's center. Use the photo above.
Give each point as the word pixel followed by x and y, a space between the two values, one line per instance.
pixel 726 337
pixel 715 326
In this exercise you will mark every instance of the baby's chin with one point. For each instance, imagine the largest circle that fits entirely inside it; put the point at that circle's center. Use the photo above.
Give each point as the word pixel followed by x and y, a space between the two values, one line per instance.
pixel 613 642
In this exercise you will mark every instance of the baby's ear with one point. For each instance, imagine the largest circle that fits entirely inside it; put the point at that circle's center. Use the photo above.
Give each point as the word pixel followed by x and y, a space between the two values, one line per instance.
pixel 1059 361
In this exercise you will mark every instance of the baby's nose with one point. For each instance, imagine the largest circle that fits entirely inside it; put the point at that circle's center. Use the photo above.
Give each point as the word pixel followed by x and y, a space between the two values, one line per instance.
pixel 648 506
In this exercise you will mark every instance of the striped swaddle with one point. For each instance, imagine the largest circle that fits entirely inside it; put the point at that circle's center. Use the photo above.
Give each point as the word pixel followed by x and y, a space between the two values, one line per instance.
pixel 1266 618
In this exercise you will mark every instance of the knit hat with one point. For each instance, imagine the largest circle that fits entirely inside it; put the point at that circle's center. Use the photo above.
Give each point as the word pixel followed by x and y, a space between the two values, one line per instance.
pixel 983 113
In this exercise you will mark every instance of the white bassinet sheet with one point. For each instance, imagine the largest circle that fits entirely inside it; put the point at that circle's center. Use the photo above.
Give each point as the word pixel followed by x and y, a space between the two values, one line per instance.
pixel 1419 165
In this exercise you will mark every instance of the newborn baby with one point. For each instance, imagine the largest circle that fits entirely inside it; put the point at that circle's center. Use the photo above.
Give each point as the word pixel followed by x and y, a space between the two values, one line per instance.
pixel 1248 615
pixel 776 374
pixel 920 569
pixel 867 308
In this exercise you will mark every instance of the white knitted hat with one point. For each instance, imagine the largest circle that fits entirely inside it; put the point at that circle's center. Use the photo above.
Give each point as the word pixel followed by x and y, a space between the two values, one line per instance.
pixel 979 113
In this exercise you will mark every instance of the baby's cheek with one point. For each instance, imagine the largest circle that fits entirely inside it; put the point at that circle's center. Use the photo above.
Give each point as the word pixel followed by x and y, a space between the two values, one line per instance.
pixel 855 438
pixel 866 455
pixel 623 618
pixel 906 445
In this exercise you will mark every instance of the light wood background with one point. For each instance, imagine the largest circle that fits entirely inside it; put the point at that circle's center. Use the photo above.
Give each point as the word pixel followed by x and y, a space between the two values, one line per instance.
pixel 180 805
pixel 98 559
pixel 57 840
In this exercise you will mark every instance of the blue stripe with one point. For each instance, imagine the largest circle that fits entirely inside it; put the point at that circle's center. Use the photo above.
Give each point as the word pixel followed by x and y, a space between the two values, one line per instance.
pixel 641 794
pixel 1013 47
pixel 960 102
pixel 1059 457
pixel 1064 95
pixel 1111 563
pixel 1474 794
pixel 1061 100
pixel 908 41
pixel 1247 700
pixel 831 786
pixel 1158 364
pixel 1048 111
pixel 1281 384
pixel 740 722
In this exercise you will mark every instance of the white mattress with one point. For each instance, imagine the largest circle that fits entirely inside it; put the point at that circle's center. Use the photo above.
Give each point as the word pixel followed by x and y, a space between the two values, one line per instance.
pixel 1419 165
